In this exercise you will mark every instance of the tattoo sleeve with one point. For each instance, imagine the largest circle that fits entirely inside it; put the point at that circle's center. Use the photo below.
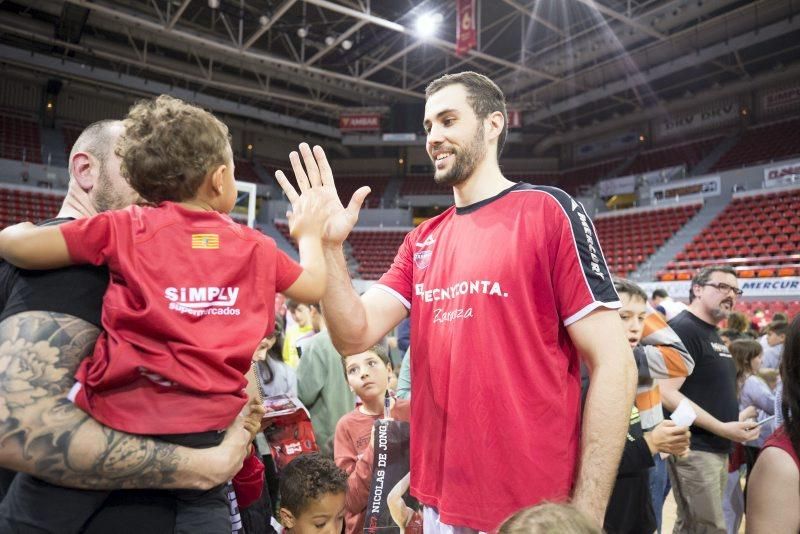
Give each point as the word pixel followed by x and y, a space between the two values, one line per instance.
pixel 46 435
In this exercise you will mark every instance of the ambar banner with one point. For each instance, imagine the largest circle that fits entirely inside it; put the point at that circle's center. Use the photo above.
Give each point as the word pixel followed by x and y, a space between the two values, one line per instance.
pixel 360 123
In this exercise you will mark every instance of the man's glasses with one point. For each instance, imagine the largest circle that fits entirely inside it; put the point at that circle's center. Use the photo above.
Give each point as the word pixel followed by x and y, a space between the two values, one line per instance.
pixel 725 288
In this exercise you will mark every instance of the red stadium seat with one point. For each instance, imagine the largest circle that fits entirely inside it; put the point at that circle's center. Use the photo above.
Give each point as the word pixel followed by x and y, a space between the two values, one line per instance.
pixel 760 237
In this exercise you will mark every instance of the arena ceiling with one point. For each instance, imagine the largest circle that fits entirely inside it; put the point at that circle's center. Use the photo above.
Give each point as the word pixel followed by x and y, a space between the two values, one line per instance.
pixel 566 63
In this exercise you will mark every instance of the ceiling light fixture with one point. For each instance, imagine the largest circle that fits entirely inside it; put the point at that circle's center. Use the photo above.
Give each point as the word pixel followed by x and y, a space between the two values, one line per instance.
pixel 427 24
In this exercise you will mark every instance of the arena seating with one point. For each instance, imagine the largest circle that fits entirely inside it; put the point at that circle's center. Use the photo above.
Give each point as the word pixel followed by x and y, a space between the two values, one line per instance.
pixel 769 307
pixel 757 234
pixel 629 239
pixel 769 142
pixel 17 206
pixel 20 139
pixel 373 249
pixel 423 184
pixel 572 179
pixel 347 185
pixel 688 154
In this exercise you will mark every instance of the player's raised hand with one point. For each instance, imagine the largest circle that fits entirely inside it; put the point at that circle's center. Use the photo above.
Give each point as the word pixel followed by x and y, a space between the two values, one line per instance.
pixel 315 179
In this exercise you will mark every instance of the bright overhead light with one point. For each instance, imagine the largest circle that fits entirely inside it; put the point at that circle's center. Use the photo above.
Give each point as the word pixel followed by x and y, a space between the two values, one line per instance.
pixel 302 32
pixel 329 40
pixel 347 44
pixel 263 20
pixel 426 24
pixel 213 4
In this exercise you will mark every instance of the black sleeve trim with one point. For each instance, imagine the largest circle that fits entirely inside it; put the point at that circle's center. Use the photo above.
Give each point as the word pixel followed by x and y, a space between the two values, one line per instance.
pixel 593 263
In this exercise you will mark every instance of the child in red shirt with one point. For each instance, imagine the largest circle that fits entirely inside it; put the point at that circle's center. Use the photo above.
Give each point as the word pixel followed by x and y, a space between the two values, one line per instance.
pixel 368 374
pixel 191 292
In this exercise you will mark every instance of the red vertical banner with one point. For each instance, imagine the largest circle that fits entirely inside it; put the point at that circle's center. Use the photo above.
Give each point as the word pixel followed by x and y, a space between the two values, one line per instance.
pixel 466 32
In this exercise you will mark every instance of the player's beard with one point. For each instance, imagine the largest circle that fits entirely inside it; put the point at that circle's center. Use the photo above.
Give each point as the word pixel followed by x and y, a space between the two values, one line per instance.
pixel 464 161
pixel 106 197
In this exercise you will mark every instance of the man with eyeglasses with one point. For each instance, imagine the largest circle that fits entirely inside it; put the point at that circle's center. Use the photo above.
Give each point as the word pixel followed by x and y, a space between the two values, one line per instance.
pixel 699 479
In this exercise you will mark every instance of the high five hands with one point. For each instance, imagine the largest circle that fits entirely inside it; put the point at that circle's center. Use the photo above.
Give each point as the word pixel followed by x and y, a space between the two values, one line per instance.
pixel 315 182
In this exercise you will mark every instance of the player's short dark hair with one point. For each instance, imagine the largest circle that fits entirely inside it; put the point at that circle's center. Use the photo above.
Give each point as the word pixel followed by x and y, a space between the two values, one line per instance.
pixel 483 95
pixel 623 285
pixel 660 293
pixel 307 478
pixel 380 349
pixel 702 276
pixel 169 146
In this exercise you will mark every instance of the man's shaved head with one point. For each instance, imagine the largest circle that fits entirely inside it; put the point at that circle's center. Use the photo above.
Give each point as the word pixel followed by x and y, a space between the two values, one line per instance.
pixel 97 139
pixel 108 189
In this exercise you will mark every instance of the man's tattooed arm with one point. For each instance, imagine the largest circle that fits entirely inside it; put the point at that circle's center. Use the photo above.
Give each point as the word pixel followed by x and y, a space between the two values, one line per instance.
pixel 44 434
